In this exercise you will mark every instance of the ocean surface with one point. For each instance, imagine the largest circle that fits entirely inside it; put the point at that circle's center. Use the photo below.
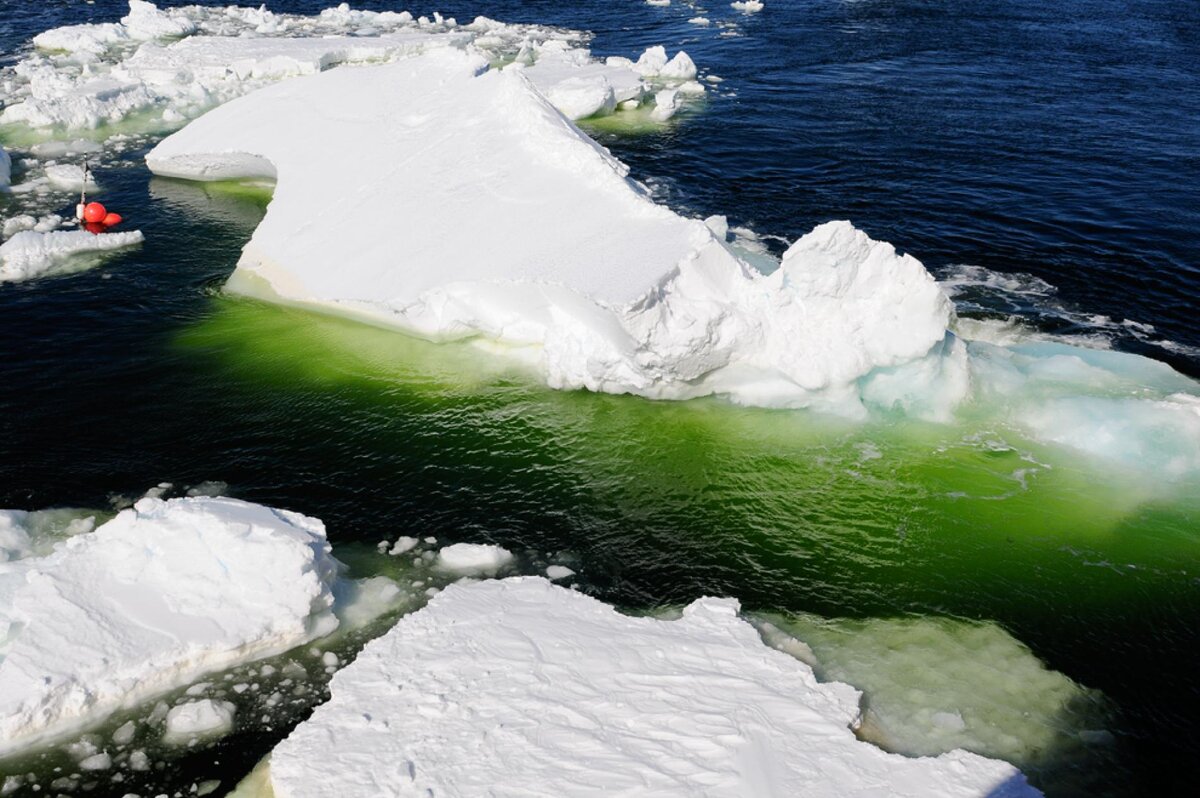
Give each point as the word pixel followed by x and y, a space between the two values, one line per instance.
pixel 1043 157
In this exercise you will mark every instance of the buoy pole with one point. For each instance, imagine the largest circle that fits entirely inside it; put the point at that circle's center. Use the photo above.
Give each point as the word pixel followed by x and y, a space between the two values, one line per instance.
pixel 83 191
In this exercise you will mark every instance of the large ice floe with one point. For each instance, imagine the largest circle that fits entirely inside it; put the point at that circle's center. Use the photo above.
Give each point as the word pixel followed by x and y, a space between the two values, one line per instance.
pixel 454 201
pixel 477 209
pixel 517 686
pixel 161 594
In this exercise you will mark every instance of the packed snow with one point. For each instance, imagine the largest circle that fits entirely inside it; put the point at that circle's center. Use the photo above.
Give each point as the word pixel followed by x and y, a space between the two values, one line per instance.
pixel 467 207
pixel 31 254
pixel 518 686
pixel 156 597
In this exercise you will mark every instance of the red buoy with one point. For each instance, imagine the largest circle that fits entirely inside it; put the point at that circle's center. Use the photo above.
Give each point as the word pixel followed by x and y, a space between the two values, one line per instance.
pixel 94 212
pixel 95 228
pixel 112 219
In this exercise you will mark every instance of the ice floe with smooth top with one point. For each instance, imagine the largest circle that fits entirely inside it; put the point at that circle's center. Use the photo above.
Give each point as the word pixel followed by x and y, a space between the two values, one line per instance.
pixel 151 600
pixel 517 685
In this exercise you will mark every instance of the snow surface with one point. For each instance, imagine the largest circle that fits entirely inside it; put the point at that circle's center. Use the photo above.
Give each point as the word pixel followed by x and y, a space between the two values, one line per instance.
pixel 564 252
pixel 31 254
pixel 517 686
pixel 161 594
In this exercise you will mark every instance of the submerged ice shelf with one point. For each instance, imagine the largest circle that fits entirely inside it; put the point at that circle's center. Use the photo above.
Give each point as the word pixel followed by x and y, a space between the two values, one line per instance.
pixel 517 685
pixel 569 265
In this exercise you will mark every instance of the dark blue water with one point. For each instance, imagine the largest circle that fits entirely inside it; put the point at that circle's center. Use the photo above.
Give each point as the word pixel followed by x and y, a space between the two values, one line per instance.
pixel 1059 140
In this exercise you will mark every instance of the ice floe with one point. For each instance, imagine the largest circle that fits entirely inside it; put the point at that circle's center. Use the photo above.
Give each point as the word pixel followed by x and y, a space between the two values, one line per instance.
pixel 151 600
pixel 459 203
pixel 31 253
pixel 520 686
pixel 565 253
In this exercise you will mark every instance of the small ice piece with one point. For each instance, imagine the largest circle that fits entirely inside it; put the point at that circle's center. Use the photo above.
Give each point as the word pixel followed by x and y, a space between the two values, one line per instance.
pixel 329 659
pixel 558 572
pixel 100 761
pixel 403 544
pixel 70 177
pixel 749 6
pixel 200 688
pixel 651 62
pixel 473 558
pixel 211 488
pixel 658 2
pixel 125 733
pixel 139 761
pixel 681 67
pixel 145 21
pixel 666 103
pixel 692 87
pixel 198 719
pixel 517 686
pixel 702 21
pixel 32 254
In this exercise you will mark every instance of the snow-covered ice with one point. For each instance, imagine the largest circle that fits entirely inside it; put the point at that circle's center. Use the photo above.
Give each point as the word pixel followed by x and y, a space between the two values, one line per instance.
pixel 156 597
pixel 459 203
pixel 473 558
pixel 566 254
pixel 198 719
pixel 31 254
pixel 747 5
pixel 519 686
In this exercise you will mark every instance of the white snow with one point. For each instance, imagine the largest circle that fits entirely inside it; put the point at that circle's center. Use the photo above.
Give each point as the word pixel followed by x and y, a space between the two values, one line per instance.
pixel 69 177
pixel 32 254
pixel 160 595
pixel 198 719
pixel 520 687
pixel 473 558
pixel 564 253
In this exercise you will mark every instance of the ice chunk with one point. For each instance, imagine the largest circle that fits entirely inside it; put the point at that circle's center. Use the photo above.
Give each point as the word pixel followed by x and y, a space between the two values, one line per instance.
pixel 146 21
pixel 69 177
pixel 749 6
pixel 519 686
pixel 556 573
pixel 155 598
pixel 567 254
pixel 34 254
pixel 402 545
pixel 473 558
pixel 702 21
pixel 666 103
pixel 203 718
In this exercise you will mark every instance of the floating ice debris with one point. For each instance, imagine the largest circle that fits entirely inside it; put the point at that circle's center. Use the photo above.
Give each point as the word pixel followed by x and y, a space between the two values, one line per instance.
pixel 556 573
pixel 32 254
pixel 158 596
pixel 748 6
pixel 703 21
pixel 517 686
pixel 198 719
pixel 473 558
pixel 70 177
pixel 403 544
